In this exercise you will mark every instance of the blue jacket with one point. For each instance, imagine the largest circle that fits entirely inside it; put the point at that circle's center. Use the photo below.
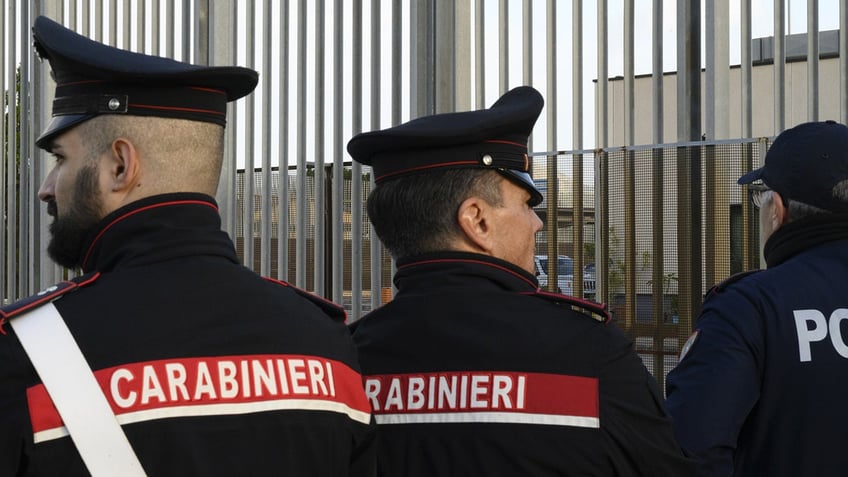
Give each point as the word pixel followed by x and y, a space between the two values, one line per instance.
pixel 762 389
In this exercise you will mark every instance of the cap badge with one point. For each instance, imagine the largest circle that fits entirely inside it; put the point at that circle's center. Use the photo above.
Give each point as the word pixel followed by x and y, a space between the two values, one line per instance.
pixel 487 160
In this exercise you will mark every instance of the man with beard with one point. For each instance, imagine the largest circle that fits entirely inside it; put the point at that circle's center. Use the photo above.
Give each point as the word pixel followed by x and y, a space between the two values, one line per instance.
pixel 207 368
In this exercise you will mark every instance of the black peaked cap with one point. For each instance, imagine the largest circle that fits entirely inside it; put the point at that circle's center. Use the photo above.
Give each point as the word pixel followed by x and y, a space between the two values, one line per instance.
pixel 493 138
pixel 93 79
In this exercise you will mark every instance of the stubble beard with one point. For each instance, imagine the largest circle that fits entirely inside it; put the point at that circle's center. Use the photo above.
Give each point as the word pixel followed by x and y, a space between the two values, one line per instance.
pixel 69 231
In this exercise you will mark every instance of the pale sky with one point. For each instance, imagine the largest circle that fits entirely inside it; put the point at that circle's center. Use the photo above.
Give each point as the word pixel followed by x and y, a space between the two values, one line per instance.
pixel 762 26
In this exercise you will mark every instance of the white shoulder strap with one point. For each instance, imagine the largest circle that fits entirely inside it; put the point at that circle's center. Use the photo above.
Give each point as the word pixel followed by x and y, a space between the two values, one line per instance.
pixel 71 385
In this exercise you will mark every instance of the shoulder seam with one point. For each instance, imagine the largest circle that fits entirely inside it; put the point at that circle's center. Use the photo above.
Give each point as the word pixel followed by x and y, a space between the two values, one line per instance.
pixel 47 295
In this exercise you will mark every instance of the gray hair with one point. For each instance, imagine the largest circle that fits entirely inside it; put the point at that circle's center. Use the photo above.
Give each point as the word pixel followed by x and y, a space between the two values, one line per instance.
pixel 800 210
pixel 417 213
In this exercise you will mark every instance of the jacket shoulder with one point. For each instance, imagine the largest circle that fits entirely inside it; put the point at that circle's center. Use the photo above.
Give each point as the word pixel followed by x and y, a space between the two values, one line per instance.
pixel 727 282
pixel 331 309
pixel 47 295
pixel 589 309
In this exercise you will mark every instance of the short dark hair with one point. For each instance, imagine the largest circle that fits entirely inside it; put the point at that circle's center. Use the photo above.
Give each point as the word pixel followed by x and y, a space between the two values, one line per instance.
pixel 417 213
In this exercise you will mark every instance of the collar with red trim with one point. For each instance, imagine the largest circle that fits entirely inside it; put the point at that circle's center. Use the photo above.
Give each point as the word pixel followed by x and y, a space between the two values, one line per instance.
pixel 458 269
pixel 154 229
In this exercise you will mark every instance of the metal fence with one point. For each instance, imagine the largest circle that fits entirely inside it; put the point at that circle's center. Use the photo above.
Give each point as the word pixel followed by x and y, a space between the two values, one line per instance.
pixel 652 233
pixel 654 226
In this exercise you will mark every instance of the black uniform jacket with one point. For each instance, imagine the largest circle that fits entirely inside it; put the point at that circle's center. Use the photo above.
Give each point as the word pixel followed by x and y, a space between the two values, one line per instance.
pixel 210 369
pixel 471 370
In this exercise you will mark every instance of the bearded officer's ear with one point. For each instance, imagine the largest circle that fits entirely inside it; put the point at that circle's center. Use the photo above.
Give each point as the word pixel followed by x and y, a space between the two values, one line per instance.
pixel 122 163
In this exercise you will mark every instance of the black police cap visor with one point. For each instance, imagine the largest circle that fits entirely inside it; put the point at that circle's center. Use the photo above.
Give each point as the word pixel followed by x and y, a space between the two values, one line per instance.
pixel 93 79
pixel 805 163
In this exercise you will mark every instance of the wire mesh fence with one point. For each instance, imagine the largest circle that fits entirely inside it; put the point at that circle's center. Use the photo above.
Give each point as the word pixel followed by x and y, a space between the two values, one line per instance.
pixel 651 259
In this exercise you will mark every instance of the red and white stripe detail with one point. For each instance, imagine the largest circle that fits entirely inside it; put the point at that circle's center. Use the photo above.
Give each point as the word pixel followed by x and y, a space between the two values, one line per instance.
pixel 484 397
pixel 215 386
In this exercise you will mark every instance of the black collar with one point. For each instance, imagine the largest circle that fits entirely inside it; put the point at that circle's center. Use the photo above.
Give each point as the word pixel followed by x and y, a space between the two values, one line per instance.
pixel 157 228
pixel 462 269
pixel 802 234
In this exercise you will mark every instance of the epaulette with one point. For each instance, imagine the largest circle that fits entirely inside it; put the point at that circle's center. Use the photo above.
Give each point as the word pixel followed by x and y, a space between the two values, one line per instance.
pixel 596 311
pixel 335 311
pixel 722 285
pixel 44 296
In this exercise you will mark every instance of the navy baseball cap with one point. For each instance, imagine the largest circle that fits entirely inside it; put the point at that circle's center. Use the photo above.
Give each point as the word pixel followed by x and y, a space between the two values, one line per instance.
pixel 804 164
pixel 494 138
pixel 93 79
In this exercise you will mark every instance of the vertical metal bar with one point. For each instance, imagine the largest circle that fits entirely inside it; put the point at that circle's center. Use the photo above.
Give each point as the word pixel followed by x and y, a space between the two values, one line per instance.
pixel 710 126
pixel 577 191
pixel 186 30
pixel 6 167
pixel 750 244
pixel 201 32
pixel 718 192
pixel 222 47
pixel 356 168
pixel 424 58
pixel 85 23
pixel 479 55
pixel 29 266
pixel 689 71
pixel 629 169
pixel 172 25
pixel 267 179
pixel 503 42
pixel 779 67
pixel 127 33
pixel 284 218
pixel 113 23
pixel 98 23
pixel 301 195
pixel 155 28
pixel 527 51
pixel 717 65
pixel 745 58
pixel 657 193
pixel 318 186
pixel 234 179
pixel 375 249
pixel 249 178
pixel 397 91
pixel 11 152
pixel 527 30
pixel 843 62
pixel 72 15
pixel 812 60
pixel 338 150
pixel 601 162
pixel 140 19
pixel 553 172
pixel 461 55
pixel 629 75
pixel 689 160
pixel 444 47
